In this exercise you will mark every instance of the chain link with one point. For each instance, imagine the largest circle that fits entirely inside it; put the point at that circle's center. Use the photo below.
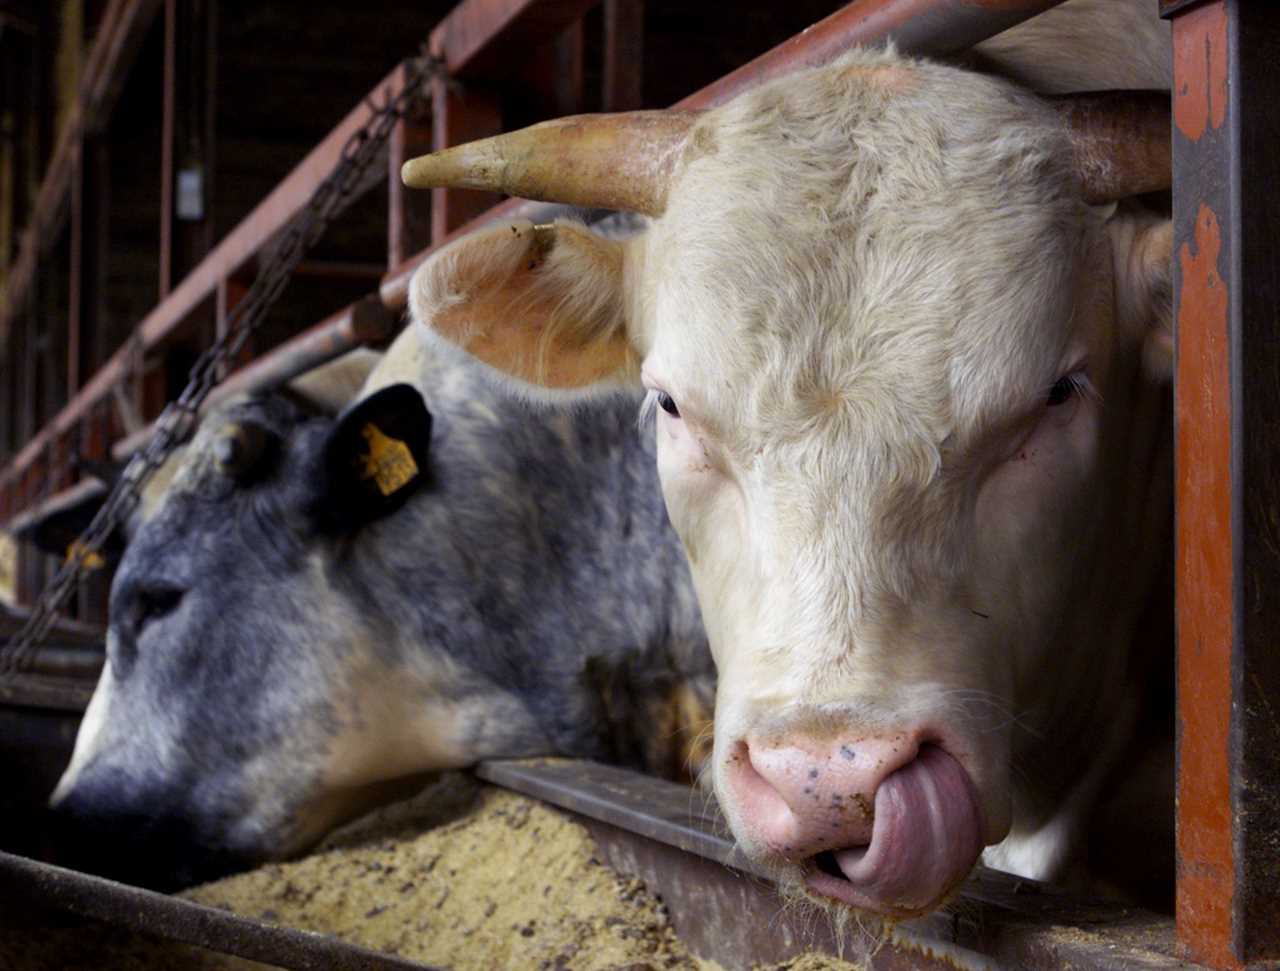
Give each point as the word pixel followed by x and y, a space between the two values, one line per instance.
pixel 178 420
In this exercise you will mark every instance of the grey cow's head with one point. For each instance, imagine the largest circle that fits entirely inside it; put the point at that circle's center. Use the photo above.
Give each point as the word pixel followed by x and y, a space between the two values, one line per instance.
pixel 256 690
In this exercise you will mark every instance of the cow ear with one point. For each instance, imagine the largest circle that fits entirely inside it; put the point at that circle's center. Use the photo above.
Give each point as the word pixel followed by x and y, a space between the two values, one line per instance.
pixel 1144 286
pixel 1156 258
pixel 57 531
pixel 375 457
pixel 544 305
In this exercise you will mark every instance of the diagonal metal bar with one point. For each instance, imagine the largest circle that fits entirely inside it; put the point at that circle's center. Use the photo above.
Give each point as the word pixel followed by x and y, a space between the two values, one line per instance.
pixel 182 920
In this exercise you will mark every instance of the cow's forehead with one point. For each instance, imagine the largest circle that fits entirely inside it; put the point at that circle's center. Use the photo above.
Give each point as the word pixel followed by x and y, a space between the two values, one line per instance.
pixel 882 233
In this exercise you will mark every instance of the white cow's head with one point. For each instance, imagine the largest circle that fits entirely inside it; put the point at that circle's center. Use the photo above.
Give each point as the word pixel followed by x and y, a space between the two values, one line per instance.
pixel 894 333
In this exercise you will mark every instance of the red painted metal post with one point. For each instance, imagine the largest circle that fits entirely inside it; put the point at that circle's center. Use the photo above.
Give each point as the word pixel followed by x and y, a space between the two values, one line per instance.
pixel 1227 236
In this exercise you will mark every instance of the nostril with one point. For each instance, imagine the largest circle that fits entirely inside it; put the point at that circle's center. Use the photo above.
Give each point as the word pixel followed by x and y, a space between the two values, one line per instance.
pixel 759 799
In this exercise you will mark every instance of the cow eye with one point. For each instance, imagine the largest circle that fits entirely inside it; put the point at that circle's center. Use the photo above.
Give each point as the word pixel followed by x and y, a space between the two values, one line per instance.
pixel 154 603
pixel 668 404
pixel 1062 390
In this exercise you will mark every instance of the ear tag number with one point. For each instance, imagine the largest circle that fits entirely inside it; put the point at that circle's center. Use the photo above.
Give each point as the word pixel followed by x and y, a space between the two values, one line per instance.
pixel 389 463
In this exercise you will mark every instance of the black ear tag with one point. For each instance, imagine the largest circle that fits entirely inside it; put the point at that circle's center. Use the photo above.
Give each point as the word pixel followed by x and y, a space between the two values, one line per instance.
pixel 377 454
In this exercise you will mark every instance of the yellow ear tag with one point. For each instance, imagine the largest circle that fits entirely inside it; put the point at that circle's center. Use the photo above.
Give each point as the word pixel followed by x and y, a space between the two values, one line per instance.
pixel 389 463
pixel 89 561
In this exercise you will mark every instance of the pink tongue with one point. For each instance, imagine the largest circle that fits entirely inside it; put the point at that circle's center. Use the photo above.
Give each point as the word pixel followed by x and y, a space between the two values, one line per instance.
pixel 927 836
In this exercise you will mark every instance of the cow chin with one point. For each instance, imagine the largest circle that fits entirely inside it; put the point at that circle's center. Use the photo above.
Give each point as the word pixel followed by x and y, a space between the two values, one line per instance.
pixel 888 822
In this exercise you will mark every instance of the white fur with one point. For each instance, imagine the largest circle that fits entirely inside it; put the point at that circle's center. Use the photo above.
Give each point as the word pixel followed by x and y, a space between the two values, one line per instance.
pixel 866 281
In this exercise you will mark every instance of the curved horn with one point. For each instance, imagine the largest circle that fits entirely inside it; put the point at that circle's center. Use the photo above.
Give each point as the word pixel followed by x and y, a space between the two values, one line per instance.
pixel 1122 142
pixel 615 161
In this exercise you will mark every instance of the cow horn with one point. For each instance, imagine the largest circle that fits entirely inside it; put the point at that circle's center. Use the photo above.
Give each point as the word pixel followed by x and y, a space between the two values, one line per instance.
pixel 1121 140
pixel 612 161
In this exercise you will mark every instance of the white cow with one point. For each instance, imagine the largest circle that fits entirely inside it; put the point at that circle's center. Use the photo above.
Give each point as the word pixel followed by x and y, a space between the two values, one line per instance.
pixel 907 342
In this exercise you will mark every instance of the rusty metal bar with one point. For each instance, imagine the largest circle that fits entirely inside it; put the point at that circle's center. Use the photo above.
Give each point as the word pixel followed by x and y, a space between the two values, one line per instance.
pixel 1016 922
pixel 929 27
pixel 61 661
pixel 42 884
pixel 42 691
pixel 268 218
pixel 120 35
pixel 83 491
pixel 459 116
pixel 478 37
pixel 466 38
pixel 408 212
pixel 917 26
pixel 483 41
pixel 1227 293
pixel 552 73
pixel 366 321
pixel 64 630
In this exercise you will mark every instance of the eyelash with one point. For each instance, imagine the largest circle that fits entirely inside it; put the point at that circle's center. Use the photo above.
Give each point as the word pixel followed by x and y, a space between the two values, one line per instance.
pixel 1067 386
pixel 653 401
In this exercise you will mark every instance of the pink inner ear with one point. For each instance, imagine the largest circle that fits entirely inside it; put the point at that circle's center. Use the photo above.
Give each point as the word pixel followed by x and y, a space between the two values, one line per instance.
pixel 537 303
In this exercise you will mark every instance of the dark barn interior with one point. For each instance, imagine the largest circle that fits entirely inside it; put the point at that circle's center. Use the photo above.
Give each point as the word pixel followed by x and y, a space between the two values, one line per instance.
pixel 156 159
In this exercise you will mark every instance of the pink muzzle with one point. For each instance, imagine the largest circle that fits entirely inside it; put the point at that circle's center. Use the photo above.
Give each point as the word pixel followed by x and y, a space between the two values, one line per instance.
pixel 883 824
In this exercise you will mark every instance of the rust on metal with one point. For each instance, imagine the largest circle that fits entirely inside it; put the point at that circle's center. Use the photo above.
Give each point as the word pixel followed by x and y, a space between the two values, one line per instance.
pixel 224 261
pixel 44 691
pixel 123 28
pixel 478 36
pixel 457 117
pixel 408 213
pixel 1204 579
pixel 367 321
pixel 928 27
pixel 654 829
pixel 917 26
pixel 1200 65
pixel 1227 232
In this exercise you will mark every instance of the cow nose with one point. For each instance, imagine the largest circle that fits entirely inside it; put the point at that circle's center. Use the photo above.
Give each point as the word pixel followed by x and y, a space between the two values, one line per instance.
pixel 801 797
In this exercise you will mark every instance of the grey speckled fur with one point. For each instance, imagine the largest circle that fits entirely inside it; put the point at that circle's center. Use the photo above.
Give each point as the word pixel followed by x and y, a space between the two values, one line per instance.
pixel 534 573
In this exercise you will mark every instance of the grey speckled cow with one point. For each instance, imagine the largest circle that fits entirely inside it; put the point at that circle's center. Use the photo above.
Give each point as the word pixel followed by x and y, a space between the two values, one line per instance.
pixel 314 609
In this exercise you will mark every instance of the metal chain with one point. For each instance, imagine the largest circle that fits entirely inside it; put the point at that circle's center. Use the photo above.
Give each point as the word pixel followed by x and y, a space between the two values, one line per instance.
pixel 177 422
